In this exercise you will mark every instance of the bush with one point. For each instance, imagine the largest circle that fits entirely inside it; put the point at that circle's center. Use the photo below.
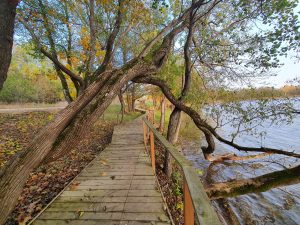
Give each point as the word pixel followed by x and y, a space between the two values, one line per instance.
pixel 20 88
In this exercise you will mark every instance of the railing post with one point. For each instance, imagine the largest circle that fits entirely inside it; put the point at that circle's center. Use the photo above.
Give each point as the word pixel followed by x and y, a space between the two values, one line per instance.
pixel 145 133
pixel 189 217
pixel 152 151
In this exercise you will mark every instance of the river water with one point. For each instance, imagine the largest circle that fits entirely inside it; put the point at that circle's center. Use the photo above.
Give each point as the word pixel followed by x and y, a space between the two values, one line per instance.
pixel 276 206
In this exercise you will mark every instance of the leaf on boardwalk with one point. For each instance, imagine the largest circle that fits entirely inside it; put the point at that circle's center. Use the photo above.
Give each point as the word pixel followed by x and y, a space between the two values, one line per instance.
pixel 103 161
pixel 74 186
pixel 112 177
pixel 79 213
pixel 102 174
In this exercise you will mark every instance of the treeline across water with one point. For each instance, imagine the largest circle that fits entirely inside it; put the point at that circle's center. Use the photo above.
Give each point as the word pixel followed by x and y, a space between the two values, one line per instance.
pixel 255 93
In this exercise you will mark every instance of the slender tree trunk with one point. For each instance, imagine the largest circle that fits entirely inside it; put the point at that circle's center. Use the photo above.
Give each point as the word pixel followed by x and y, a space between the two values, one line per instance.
pixel 122 102
pixel 172 137
pixel 162 114
pixel 128 100
pixel 133 98
pixel 64 85
pixel 7 21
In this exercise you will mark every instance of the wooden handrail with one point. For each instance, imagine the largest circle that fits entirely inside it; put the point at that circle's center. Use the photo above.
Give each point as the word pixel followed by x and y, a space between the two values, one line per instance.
pixel 197 205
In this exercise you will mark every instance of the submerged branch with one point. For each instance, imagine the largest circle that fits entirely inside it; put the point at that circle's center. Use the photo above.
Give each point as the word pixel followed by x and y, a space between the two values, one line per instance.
pixel 256 184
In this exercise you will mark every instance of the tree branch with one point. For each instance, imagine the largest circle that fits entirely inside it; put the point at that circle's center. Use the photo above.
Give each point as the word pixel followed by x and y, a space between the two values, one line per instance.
pixel 49 55
pixel 202 124
pixel 111 40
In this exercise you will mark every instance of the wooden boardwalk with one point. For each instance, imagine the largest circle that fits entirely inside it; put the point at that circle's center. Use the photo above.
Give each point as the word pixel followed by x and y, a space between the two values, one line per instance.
pixel 117 188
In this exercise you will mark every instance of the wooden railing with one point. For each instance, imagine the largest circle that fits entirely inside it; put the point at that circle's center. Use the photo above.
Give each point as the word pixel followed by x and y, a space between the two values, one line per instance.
pixel 197 206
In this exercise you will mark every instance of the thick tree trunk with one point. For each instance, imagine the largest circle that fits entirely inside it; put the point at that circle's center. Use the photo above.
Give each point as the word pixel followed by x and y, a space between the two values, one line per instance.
pixel 172 137
pixel 256 184
pixel 82 124
pixel 7 21
pixel 162 114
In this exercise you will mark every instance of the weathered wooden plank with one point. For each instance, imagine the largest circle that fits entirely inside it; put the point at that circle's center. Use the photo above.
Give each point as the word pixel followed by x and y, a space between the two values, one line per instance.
pixel 143 193
pixel 94 199
pixel 96 193
pixel 86 207
pixel 81 215
pixel 101 187
pixel 144 207
pixel 76 222
pixel 144 199
pixel 161 217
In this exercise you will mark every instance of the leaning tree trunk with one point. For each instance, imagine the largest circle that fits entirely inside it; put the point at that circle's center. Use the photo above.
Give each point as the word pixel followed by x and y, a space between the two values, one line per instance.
pixel 82 124
pixel 7 21
pixel 15 173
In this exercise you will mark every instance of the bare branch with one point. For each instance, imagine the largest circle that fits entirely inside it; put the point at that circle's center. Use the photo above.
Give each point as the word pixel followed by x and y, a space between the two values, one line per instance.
pixel 111 40
pixel 202 124
pixel 49 55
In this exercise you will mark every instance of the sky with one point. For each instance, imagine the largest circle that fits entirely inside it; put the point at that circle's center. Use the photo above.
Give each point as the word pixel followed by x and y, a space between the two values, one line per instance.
pixel 288 71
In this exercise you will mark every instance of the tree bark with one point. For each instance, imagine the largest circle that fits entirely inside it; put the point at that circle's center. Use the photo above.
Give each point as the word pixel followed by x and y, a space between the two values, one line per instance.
pixel 83 122
pixel 7 23
pixel 162 114
pixel 122 102
pixel 172 137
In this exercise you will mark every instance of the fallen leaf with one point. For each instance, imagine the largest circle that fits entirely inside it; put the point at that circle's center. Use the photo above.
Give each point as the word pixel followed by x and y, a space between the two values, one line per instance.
pixel 74 186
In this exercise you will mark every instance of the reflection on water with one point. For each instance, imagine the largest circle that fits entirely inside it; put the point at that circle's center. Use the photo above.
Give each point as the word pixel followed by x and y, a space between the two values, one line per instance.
pixel 277 206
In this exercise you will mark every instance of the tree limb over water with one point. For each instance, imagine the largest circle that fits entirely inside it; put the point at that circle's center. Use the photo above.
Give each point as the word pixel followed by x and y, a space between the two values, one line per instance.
pixel 202 124
pixel 256 184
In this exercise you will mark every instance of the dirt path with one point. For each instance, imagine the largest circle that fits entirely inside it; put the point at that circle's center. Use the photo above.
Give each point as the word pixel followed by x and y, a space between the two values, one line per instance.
pixel 23 108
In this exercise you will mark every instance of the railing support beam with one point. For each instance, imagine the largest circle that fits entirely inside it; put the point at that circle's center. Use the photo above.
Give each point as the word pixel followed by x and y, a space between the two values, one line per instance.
pixel 152 151
pixel 189 213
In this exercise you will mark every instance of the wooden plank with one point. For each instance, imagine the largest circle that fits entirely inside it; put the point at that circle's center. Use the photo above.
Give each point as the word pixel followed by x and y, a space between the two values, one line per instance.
pixel 161 217
pixel 92 199
pixel 76 222
pixel 86 207
pixel 144 207
pixel 81 216
pixel 96 193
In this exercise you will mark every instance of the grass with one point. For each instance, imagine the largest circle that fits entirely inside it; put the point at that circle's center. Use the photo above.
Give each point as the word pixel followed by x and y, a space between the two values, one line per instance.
pixel 188 130
pixel 113 114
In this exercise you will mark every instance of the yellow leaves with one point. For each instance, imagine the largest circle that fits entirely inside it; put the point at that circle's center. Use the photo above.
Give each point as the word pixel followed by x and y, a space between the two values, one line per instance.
pixel 104 2
pixel 79 213
pixel 102 174
pixel 74 60
pixel 99 52
pixel 103 161
pixel 84 42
